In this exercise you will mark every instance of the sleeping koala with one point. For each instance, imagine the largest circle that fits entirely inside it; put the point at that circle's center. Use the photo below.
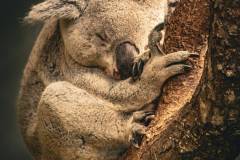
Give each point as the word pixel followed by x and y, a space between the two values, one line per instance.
pixel 87 90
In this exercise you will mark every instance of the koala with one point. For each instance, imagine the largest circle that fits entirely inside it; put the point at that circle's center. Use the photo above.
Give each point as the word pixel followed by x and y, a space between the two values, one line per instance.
pixel 91 82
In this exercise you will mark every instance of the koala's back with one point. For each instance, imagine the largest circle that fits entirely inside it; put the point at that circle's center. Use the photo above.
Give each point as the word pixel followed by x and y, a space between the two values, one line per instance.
pixel 40 70
pixel 43 69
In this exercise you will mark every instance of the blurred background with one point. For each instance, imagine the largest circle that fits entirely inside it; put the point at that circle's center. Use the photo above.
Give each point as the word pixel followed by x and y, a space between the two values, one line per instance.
pixel 16 43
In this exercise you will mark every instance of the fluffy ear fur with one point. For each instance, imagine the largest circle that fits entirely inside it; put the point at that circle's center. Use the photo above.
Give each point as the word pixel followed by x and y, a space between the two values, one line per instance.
pixel 68 9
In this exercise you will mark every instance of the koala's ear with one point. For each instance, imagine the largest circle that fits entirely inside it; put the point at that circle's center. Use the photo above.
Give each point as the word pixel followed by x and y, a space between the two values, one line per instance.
pixel 68 9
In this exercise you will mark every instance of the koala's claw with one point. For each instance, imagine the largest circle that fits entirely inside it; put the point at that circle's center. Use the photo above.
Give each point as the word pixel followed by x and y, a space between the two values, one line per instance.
pixel 140 66
pixel 144 117
pixel 138 132
pixel 136 141
pixel 137 69
pixel 195 54
pixel 187 67
pixel 134 71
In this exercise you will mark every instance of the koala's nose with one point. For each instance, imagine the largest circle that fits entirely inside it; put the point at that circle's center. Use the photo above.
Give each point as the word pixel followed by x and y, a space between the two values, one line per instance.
pixel 125 53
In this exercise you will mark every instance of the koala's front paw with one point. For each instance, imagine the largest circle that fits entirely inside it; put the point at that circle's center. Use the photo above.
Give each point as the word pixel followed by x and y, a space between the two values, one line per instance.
pixel 161 68
pixel 172 66
pixel 138 64
pixel 140 120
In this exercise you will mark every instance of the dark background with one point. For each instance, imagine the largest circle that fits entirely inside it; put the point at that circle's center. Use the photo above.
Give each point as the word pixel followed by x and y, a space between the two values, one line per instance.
pixel 16 43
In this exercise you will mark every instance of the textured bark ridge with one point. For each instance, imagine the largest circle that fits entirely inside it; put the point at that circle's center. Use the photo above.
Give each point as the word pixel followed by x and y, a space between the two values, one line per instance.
pixel 219 101
pixel 170 134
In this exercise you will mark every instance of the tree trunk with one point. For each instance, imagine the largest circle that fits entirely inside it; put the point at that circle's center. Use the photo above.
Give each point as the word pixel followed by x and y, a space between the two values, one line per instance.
pixel 198 117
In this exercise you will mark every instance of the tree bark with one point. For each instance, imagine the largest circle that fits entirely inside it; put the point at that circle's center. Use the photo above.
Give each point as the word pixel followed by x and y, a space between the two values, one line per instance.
pixel 198 117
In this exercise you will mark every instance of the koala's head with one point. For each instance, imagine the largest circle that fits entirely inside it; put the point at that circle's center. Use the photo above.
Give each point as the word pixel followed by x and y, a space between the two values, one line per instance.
pixel 97 32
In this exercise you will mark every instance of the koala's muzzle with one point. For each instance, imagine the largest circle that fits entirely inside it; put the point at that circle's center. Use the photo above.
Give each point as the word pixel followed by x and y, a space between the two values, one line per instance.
pixel 125 54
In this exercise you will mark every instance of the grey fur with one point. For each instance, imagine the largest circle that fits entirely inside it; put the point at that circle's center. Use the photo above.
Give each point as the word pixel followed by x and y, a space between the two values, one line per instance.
pixel 71 107
pixel 67 9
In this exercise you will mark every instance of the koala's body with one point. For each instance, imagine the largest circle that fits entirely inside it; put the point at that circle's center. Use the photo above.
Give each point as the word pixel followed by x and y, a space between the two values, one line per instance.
pixel 72 106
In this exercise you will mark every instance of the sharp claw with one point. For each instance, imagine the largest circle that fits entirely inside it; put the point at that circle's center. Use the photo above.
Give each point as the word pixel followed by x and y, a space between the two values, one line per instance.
pixel 149 113
pixel 134 71
pixel 137 69
pixel 160 49
pixel 137 139
pixel 187 67
pixel 140 67
pixel 135 143
pixel 195 54
pixel 140 132
pixel 149 118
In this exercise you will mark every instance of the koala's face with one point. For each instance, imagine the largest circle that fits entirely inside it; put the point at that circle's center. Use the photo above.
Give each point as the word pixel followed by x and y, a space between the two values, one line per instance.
pixel 92 39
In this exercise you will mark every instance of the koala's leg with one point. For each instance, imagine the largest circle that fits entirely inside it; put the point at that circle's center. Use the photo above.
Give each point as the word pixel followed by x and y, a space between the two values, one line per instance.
pixel 73 124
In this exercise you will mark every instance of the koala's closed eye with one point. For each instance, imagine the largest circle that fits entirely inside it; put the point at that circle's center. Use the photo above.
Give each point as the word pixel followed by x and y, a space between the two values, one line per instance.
pixel 103 36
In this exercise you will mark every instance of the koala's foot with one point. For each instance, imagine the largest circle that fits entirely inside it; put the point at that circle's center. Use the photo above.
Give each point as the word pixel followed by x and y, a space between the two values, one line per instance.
pixel 138 132
pixel 141 119
pixel 144 117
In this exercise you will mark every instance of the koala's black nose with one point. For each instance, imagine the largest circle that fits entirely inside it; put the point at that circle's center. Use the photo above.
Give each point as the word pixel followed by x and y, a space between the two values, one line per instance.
pixel 125 53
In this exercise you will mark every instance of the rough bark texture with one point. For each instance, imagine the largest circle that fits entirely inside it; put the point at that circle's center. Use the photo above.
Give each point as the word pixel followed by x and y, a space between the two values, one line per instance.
pixel 198 116
pixel 219 102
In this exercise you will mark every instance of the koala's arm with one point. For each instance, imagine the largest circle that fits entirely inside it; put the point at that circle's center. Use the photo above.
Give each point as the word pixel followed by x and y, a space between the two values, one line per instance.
pixel 131 95
pixel 128 95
